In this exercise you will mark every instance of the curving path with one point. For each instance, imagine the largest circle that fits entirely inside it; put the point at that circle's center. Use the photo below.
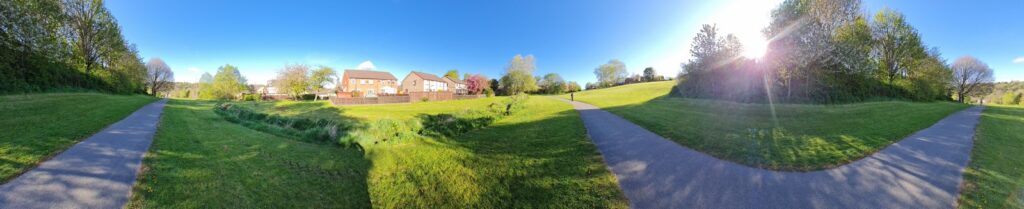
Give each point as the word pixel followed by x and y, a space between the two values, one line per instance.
pixel 96 173
pixel 921 171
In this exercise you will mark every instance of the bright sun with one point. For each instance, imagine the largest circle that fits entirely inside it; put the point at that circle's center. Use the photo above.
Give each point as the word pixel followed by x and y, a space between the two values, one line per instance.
pixel 754 48
pixel 745 19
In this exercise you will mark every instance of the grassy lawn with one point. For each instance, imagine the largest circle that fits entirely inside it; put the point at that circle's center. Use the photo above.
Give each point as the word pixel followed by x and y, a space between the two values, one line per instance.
pixel 200 160
pixel 995 176
pixel 538 157
pixel 324 109
pixel 37 126
pixel 795 137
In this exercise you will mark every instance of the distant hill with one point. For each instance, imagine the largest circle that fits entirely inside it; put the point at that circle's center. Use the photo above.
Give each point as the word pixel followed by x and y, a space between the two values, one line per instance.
pixel 1002 88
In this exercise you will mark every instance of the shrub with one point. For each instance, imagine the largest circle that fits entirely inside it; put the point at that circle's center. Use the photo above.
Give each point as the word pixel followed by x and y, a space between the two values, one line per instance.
pixel 311 130
pixel 381 131
pixel 424 99
pixel 251 97
pixel 489 92
pixel 307 97
pixel 1011 98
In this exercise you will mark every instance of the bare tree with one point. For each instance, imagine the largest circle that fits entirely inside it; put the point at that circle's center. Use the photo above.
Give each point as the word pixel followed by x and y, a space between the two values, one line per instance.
pixel 969 76
pixel 159 75
pixel 292 80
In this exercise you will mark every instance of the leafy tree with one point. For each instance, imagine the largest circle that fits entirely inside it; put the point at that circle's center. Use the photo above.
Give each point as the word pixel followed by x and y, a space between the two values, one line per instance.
pixel 160 76
pixel 969 77
pixel 292 80
pixel 495 86
pixel 649 74
pixel 227 84
pixel 91 28
pixel 477 84
pixel 320 76
pixel 611 73
pixel 572 87
pixel 552 83
pixel 453 74
pixel 518 76
pixel 897 44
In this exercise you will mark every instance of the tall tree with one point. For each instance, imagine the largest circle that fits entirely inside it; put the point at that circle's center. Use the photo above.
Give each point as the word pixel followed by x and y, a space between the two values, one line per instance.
pixel 969 75
pixel 518 76
pixel 159 75
pixel 321 76
pixel 292 80
pixel 611 73
pixel 897 44
pixel 91 27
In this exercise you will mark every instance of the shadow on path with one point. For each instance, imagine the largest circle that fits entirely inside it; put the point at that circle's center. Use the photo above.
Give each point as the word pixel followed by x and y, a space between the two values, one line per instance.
pixel 95 173
pixel 923 170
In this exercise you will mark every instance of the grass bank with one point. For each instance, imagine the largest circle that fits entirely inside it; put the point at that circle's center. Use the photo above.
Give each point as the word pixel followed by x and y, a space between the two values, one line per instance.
pixel 780 136
pixel 34 127
pixel 325 110
pixel 995 176
pixel 200 160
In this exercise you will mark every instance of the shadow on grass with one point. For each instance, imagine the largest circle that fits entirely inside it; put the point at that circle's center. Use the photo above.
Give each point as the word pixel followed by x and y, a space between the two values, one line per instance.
pixel 199 160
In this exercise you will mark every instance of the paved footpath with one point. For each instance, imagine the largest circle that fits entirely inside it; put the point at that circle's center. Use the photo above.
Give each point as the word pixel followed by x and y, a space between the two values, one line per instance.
pixel 921 171
pixel 96 173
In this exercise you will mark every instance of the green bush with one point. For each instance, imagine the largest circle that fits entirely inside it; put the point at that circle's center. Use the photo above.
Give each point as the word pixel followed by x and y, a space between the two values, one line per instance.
pixel 307 97
pixel 489 92
pixel 1011 98
pixel 251 97
pixel 311 130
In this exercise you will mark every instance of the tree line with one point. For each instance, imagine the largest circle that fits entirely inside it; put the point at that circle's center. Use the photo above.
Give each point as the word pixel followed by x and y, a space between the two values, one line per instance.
pixel 827 51
pixel 57 45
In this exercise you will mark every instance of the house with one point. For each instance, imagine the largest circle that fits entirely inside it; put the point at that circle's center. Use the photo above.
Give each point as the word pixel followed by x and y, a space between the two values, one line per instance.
pixel 423 82
pixel 367 83
pixel 456 85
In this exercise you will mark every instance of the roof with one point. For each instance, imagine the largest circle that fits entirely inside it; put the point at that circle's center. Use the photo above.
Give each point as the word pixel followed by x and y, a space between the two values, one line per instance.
pixel 369 74
pixel 428 76
pixel 454 80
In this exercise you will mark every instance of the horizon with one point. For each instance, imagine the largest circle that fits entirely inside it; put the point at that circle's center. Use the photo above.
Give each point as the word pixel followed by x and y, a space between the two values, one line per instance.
pixel 480 38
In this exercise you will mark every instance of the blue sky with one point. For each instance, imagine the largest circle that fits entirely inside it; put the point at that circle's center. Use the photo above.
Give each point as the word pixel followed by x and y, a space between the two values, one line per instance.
pixel 569 37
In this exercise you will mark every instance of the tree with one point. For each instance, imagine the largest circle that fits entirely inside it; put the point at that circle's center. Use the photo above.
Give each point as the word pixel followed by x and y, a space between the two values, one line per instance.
pixel 518 76
pixel 320 76
pixel 477 84
pixel 552 83
pixel 91 29
pixel 227 84
pixel 159 75
pixel 572 87
pixel 453 74
pixel 897 44
pixel 968 74
pixel 292 80
pixel 649 74
pixel 1011 98
pixel 496 86
pixel 611 73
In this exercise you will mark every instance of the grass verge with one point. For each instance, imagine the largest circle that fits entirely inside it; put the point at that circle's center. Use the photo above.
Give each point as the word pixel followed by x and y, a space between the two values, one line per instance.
pixel 37 126
pixel 200 160
pixel 995 176
pixel 779 137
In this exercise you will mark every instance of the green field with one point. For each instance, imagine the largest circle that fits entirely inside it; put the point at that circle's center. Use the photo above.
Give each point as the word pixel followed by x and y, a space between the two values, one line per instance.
pixel 792 137
pixel 538 157
pixel 37 126
pixel 199 160
pixel 995 176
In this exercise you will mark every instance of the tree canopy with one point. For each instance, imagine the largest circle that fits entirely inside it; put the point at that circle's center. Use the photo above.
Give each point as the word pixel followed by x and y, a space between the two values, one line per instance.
pixel 518 77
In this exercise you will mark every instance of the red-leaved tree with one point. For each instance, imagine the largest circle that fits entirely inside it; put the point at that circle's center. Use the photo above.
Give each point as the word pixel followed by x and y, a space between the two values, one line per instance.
pixel 477 83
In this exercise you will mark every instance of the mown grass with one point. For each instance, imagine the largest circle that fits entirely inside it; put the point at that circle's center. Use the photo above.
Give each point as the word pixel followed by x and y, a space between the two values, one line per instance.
pixel 34 127
pixel 781 136
pixel 200 160
pixel 538 157
pixel 995 176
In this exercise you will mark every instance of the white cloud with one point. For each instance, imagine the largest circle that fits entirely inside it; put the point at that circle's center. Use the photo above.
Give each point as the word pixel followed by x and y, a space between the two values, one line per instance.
pixel 1019 60
pixel 366 65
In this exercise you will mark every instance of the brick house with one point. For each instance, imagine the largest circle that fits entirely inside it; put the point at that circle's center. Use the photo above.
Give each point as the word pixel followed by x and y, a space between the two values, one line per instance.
pixel 367 83
pixel 456 85
pixel 423 82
